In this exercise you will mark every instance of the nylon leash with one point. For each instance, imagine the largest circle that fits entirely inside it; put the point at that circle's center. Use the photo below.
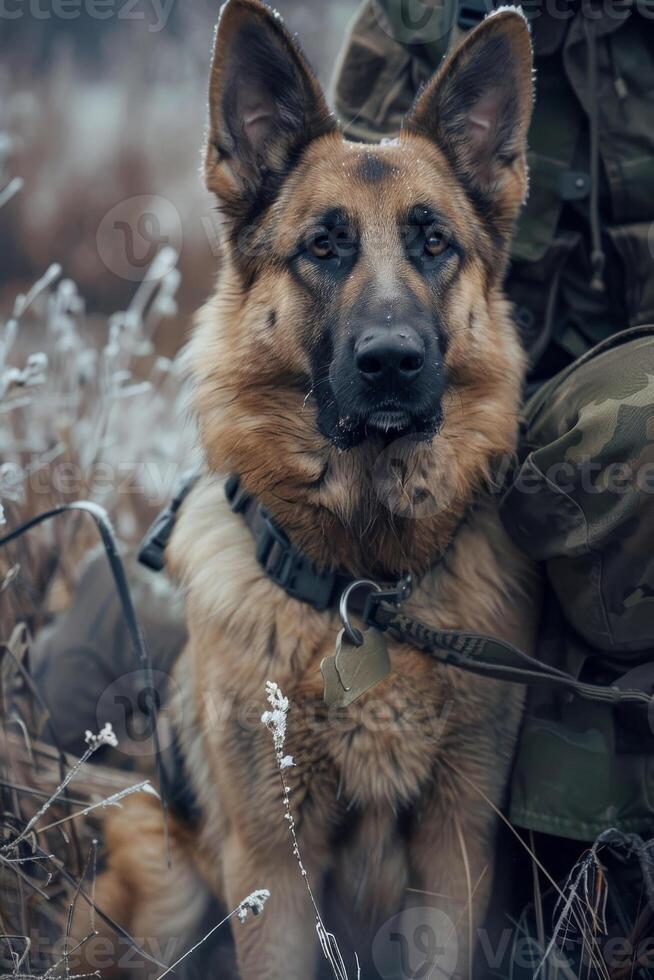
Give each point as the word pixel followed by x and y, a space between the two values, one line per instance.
pixel 480 654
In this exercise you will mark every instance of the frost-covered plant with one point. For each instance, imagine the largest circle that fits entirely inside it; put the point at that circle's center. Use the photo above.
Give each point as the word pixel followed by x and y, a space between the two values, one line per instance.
pixel 92 413
pixel 254 903
pixel 94 742
pixel 87 410
pixel 29 847
pixel 107 411
pixel 276 720
pixel 92 410
pixel 11 856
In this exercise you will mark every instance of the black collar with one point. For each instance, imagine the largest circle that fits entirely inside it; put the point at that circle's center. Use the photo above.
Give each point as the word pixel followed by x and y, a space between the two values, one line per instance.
pixel 298 576
pixel 282 562
pixel 289 568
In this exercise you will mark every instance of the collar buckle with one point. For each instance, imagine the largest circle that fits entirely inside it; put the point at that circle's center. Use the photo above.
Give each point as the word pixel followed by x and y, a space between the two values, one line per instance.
pixel 289 569
pixel 275 553
pixel 381 606
pixel 237 497
pixel 152 549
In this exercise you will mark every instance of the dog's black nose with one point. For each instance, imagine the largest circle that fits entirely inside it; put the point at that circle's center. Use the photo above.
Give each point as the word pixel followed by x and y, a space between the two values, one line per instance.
pixel 390 358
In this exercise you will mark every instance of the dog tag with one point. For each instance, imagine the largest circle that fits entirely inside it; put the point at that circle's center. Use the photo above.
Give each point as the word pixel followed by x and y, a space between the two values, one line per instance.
pixel 354 670
pixel 333 692
pixel 360 668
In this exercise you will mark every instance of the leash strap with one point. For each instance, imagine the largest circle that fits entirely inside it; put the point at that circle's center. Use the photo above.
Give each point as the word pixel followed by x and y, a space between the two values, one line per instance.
pixel 487 655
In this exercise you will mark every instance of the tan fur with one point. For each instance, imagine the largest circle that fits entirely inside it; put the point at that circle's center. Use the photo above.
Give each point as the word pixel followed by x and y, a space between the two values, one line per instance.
pixel 377 789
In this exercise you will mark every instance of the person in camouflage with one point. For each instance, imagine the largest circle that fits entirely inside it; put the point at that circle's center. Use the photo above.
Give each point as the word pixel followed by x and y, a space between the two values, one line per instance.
pixel 581 497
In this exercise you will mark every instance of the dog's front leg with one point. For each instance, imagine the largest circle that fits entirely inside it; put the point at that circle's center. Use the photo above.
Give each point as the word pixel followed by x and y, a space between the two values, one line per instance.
pixel 452 870
pixel 280 944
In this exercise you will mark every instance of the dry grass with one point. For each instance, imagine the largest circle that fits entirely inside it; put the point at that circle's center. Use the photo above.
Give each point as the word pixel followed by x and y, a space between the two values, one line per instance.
pixel 70 390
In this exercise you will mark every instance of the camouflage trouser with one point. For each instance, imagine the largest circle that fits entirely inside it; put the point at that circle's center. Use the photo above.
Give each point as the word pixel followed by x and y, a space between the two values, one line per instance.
pixel 582 503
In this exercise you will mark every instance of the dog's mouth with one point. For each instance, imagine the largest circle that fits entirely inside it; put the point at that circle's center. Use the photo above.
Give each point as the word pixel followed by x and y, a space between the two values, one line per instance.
pixel 387 422
pixel 349 419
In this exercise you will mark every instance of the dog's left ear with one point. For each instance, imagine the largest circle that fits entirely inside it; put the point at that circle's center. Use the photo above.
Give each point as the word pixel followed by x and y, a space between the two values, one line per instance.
pixel 265 105
pixel 478 106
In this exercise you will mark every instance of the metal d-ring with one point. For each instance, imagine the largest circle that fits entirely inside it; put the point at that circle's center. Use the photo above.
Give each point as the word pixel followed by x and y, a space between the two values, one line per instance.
pixel 354 635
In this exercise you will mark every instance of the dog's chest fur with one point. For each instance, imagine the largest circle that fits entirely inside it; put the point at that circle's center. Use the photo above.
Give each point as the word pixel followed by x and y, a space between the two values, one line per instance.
pixel 402 741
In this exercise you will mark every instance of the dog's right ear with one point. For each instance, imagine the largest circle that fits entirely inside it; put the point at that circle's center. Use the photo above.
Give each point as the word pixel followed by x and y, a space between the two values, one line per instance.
pixel 265 106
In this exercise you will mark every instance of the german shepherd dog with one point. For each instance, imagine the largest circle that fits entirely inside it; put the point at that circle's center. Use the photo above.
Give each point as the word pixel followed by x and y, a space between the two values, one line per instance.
pixel 359 369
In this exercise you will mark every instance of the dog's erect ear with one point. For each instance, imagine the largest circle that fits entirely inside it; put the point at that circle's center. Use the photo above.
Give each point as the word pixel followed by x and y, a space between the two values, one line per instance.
pixel 265 105
pixel 478 106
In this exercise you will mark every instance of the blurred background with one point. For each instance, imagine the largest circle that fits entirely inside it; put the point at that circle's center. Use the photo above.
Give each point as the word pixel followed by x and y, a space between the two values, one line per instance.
pixel 102 110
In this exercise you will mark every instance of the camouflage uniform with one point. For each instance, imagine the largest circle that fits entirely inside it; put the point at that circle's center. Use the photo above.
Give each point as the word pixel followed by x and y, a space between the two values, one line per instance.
pixel 581 498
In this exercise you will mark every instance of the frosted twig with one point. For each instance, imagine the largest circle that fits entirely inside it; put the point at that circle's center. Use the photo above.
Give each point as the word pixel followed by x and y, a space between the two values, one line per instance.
pixel 588 914
pixel 104 737
pixel 538 863
pixel 275 721
pixel 253 903
pixel 32 374
pixel 114 800
pixel 10 190
pixel 23 301
pixel 84 411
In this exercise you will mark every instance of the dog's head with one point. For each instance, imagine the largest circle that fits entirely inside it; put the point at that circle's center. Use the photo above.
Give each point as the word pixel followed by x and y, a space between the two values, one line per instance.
pixel 360 298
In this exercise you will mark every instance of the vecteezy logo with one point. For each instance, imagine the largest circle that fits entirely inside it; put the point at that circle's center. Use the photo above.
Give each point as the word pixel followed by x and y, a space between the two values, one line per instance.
pixel 133 232
pixel 417 944
pixel 132 705
pixel 404 484
pixel 418 21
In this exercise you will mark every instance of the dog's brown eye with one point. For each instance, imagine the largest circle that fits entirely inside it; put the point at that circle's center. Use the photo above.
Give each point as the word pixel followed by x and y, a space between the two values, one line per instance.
pixel 321 246
pixel 435 242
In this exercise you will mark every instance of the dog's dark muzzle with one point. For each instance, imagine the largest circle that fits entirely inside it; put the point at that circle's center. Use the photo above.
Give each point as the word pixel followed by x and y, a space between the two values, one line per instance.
pixel 390 361
pixel 387 383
